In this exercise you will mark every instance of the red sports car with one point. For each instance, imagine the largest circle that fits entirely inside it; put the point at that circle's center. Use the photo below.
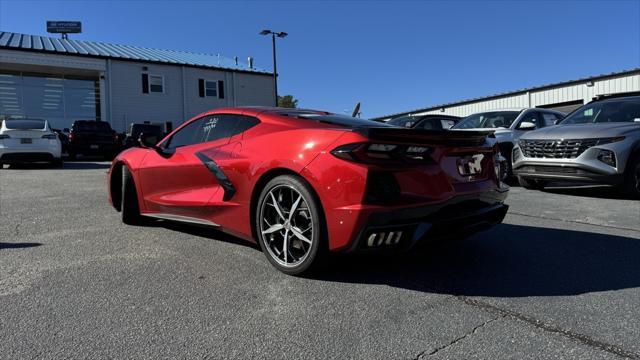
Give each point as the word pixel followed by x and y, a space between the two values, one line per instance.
pixel 302 183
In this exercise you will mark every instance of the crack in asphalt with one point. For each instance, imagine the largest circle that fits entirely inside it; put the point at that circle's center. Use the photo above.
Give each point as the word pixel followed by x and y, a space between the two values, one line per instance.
pixel 581 338
pixel 573 221
pixel 16 229
pixel 549 328
pixel 460 338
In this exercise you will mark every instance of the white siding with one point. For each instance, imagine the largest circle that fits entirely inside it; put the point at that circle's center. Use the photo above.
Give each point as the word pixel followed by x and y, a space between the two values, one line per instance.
pixel 129 104
pixel 253 90
pixel 181 99
pixel 584 92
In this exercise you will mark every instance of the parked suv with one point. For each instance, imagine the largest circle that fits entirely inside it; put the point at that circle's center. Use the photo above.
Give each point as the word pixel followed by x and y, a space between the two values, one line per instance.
pixel 509 125
pixel 599 143
pixel 428 122
pixel 90 137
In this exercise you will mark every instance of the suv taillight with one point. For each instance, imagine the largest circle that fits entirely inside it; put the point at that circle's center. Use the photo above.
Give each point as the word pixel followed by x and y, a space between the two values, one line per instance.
pixel 71 137
pixel 381 152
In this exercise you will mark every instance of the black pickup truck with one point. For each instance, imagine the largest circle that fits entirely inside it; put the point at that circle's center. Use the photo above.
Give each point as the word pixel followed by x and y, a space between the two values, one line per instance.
pixel 90 137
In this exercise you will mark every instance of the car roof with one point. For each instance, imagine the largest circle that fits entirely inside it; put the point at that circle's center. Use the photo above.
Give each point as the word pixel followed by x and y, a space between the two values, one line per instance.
pixel 618 98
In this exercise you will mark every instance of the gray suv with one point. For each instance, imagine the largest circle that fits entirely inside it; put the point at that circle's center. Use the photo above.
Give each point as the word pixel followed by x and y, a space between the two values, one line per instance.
pixel 509 125
pixel 599 144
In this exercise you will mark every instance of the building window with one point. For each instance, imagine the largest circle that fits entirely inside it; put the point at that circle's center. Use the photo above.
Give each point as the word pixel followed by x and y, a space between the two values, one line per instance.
pixel 156 83
pixel 211 88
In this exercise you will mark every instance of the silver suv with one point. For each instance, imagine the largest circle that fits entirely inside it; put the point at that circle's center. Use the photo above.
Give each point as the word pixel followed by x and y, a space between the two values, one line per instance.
pixel 509 125
pixel 599 143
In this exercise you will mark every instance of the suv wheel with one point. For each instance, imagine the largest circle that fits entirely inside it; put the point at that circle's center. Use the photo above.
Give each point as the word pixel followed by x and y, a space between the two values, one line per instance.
pixel 531 184
pixel 289 225
pixel 632 178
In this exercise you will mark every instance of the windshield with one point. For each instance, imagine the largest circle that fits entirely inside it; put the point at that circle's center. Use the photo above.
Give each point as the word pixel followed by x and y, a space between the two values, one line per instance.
pixel 137 129
pixel 494 119
pixel 403 121
pixel 25 124
pixel 622 110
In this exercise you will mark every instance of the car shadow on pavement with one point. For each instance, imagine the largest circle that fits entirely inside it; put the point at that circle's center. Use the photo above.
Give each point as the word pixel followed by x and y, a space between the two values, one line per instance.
pixel 507 261
pixel 18 245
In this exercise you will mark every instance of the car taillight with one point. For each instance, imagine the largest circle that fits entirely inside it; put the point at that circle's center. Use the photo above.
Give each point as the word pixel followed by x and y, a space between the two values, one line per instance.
pixel 71 137
pixel 115 137
pixel 50 136
pixel 380 152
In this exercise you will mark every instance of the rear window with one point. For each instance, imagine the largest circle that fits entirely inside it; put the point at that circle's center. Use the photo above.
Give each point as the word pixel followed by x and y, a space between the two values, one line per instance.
pixel 137 129
pixel 488 120
pixel 25 124
pixel 92 126
pixel 404 121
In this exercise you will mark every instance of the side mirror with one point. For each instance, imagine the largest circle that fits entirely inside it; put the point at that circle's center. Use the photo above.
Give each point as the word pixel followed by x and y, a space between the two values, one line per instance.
pixel 527 125
pixel 558 121
pixel 147 141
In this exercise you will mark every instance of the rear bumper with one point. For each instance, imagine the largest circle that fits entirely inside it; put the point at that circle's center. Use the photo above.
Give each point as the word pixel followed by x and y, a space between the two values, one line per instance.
pixel 23 157
pixel 87 149
pixel 402 229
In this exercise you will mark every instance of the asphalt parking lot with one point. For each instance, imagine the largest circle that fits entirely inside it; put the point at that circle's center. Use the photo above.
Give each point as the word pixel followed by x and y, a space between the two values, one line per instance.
pixel 560 279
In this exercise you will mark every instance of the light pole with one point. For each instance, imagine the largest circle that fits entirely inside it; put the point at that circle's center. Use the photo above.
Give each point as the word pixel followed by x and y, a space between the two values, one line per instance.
pixel 275 68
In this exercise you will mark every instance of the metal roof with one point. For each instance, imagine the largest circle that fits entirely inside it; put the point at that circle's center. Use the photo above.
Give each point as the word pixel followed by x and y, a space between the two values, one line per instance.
pixel 15 41
pixel 498 95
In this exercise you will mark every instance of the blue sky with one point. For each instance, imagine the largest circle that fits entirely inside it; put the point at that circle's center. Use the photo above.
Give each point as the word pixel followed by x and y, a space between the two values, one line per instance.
pixel 391 56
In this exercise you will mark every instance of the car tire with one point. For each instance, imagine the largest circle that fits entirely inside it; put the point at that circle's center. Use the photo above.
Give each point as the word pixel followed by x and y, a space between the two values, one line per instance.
pixel 1 166
pixel 289 205
pixel 506 168
pixel 130 210
pixel 56 163
pixel 531 184
pixel 632 178
pixel 72 155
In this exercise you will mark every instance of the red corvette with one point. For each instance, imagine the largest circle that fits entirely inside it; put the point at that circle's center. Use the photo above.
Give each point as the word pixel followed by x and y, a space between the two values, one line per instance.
pixel 302 183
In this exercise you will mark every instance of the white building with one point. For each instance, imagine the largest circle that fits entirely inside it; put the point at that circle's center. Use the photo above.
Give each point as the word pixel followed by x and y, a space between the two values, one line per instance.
pixel 64 80
pixel 564 96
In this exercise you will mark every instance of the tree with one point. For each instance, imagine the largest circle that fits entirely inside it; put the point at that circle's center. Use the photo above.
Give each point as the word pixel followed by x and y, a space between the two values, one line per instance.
pixel 287 101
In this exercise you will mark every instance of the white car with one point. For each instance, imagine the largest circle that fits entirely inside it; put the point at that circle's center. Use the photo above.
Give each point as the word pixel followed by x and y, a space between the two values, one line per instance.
pixel 29 140
pixel 509 125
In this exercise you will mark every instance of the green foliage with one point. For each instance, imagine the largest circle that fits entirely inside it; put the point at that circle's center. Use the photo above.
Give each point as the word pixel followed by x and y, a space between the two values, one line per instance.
pixel 287 101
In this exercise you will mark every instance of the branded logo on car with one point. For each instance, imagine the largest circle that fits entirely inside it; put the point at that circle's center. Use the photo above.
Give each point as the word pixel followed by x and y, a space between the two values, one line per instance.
pixel 470 165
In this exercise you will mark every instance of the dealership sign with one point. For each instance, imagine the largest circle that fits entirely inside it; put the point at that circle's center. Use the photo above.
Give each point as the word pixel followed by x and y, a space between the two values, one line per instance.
pixel 64 27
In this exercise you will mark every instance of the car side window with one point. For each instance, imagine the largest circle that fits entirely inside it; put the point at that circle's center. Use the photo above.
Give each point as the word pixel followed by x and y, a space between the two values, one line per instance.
pixel 210 128
pixel 188 135
pixel 549 119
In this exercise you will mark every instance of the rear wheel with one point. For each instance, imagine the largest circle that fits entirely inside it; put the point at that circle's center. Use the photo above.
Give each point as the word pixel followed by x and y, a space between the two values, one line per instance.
pixel 56 163
pixel 289 225
pixel 531 184
pixel 632 178
pixel 129 201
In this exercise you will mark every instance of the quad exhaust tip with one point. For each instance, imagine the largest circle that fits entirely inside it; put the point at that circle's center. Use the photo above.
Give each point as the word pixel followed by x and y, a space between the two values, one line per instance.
pixel 384 238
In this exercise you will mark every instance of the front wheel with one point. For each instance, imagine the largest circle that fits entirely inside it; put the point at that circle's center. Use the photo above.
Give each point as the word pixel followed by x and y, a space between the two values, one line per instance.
pixel 632 178
pixel 129 201
pixel 531 184
pixel 289 225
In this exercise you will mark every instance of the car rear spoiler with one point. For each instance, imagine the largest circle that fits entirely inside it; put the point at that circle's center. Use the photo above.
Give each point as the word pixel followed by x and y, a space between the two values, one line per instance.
pixel 430 137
